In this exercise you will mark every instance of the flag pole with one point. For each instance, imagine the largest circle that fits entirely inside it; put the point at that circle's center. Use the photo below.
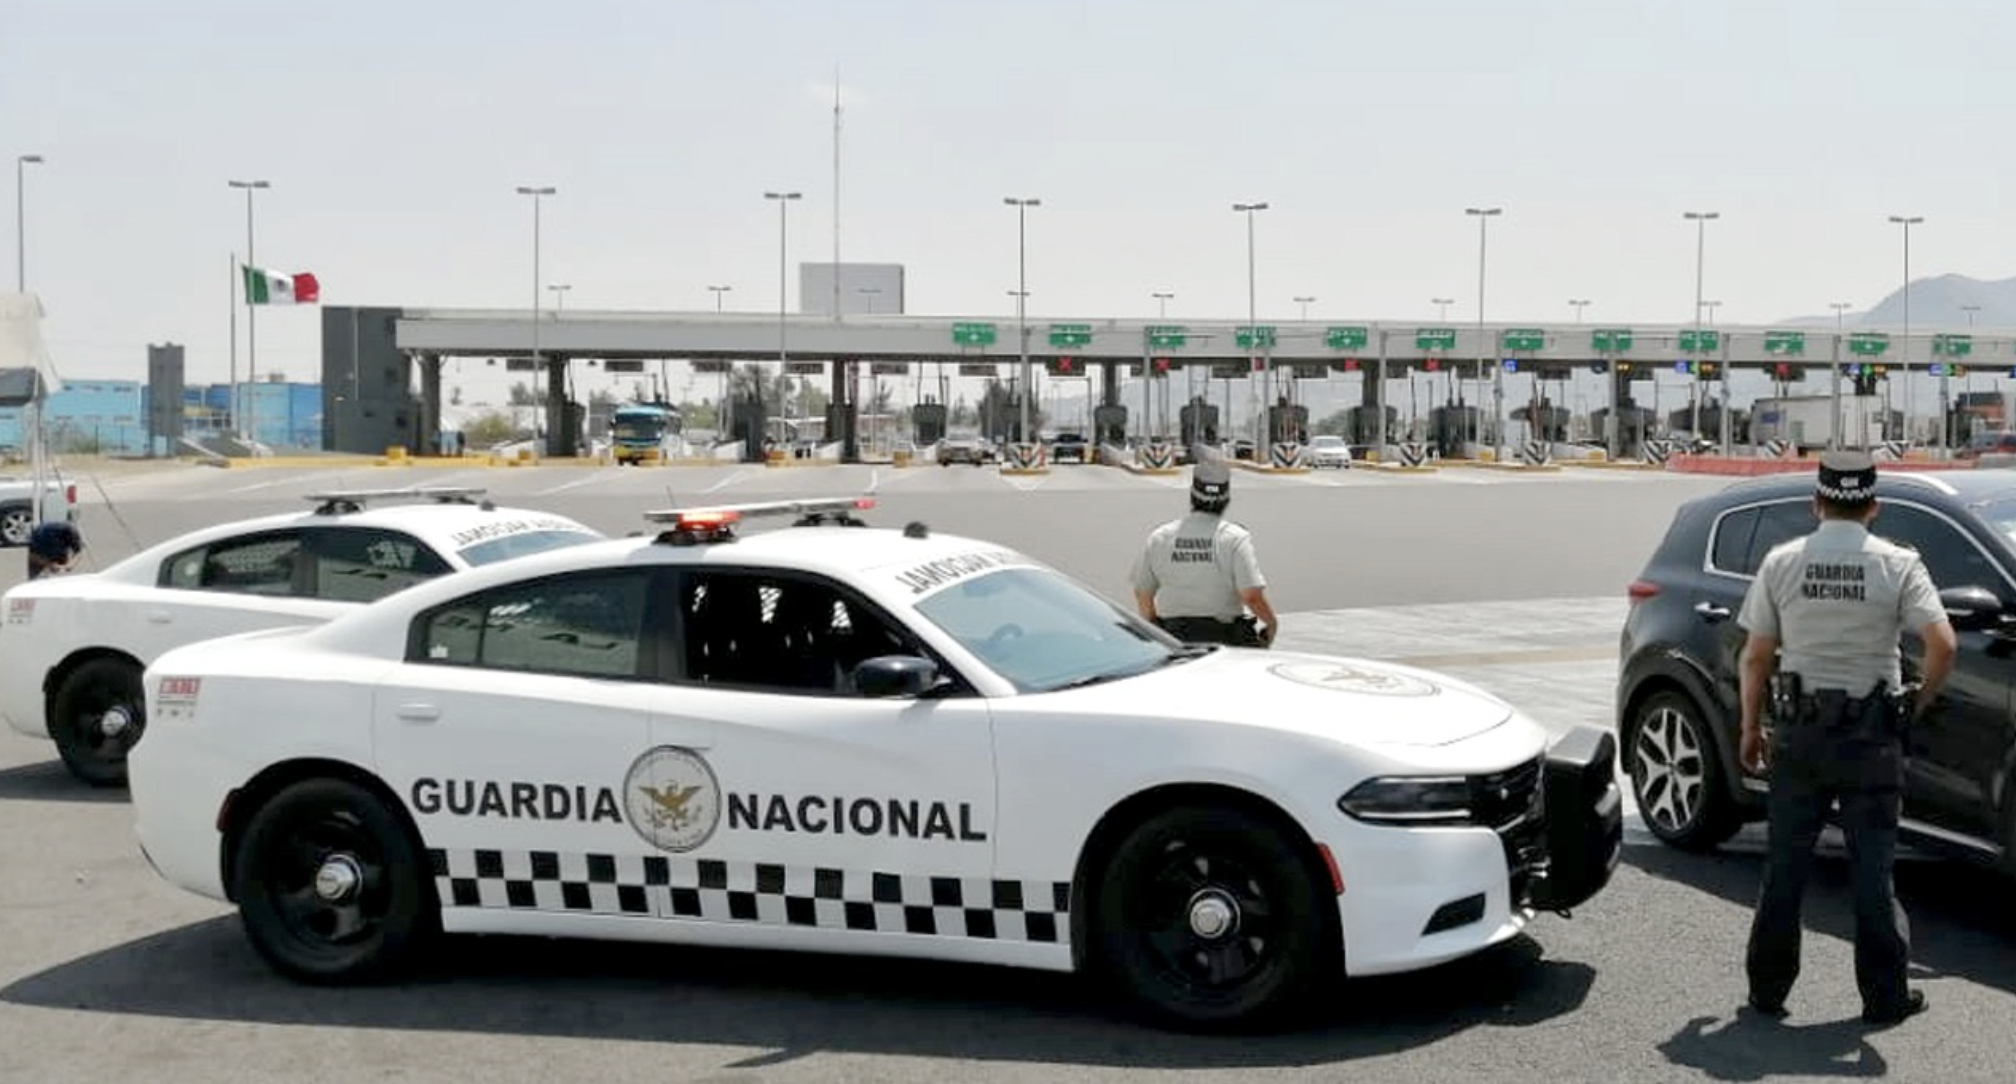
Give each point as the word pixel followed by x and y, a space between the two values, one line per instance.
pixel 231 304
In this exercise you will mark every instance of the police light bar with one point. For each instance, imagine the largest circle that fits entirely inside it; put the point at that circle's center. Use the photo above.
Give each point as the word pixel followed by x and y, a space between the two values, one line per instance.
pixel 351 500
pixel 720 515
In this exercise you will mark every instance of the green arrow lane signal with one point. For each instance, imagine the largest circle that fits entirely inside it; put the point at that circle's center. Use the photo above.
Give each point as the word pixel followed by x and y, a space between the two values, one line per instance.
pixel 1167 335
pixel 1435 338
pixel 1347 338
pixel 1868 343
pixel 1249 337
pixel 1610 340
pixel 1525 339
pixel 1953 346
pixel 973 334
pixel 1785 343
pixel 1070 334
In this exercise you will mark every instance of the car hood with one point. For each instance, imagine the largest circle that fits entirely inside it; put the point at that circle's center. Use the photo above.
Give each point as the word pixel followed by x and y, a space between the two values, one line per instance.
pixel 1358 701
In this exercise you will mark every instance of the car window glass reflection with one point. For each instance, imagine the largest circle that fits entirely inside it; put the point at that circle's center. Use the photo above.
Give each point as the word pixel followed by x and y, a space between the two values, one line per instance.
pixel 585 625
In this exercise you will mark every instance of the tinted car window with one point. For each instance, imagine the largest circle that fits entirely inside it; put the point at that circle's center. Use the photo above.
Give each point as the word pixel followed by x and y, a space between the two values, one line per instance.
pixel 1730 551
pixel 519 545
pixel 259 564
pixel 364 564
pixel 590 625
pixel 783 634
pixel 1950 556
pixel 1744 536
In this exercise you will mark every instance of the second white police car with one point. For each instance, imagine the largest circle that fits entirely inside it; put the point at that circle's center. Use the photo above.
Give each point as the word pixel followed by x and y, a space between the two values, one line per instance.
pixel 831 737
pixel 72 647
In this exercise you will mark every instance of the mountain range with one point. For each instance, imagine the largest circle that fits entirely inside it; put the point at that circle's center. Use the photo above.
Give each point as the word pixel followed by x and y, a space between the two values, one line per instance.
pixel 1941 301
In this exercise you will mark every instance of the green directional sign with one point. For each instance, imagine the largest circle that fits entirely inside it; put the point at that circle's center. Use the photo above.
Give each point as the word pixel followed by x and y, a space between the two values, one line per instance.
pixel 973 334
pixel 1347 338
pixel 1070 334
pixel 1435 338
pixel 1167 335
pixel 1785 343
pixel 1700 342
pixel 1952 346
pixel 1610 340
pixel 1868 344
pixel 1523 339
pixel 1249 337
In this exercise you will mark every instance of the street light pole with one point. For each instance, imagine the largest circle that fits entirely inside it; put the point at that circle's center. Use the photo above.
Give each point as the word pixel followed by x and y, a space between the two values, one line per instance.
pixel 1484 216
pixel 718 291
pixel 1701 220
pixel 1253 334
pixel 1162 299
pixel 1904 354
pixel 21 163
pixel 559 295
pixel 1441 308
pixel 1580 304
pixel 783 289
pixel 1304 302
pixel 1840 419
pixel 537 193
pixel 248 430
pixel 1022 205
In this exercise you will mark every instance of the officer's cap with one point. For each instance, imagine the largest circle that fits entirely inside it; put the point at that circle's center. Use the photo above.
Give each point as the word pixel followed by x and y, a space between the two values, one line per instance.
pixel 1848 477
pixel 1211 479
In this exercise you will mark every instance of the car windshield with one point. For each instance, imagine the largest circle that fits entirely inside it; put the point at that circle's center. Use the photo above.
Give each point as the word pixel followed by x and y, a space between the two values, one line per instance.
pixel 1043 631
pixel 519 545
pixel 1327 442
pixel 1999 513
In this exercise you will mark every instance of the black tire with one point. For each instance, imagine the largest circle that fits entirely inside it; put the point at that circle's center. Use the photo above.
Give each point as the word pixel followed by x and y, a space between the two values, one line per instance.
pixel 1264 965
pixel 96 717
pixel 1677 776
pixel 17 522
pixel 330 886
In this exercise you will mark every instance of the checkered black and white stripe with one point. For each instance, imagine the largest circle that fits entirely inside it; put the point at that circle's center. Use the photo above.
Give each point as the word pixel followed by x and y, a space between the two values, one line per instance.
pixel 713 890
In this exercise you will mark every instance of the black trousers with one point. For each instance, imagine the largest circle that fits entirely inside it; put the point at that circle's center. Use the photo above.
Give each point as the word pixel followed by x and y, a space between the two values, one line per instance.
pixel 1244 632
pixel 1848 752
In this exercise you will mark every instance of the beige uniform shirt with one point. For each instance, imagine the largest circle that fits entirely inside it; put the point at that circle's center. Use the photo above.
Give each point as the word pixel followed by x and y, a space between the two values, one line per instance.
pixel 1197 565
pixel 1836 601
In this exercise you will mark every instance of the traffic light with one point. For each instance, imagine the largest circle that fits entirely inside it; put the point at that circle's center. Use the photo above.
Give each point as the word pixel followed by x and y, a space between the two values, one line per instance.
pixel 1350 365
pixel 1063 367
pixel 1162 366
pixel 1435 365
pixel 1623 366
pixel 1600 367
pixel 1707 370
pixel 1511 365
pixel 1865 379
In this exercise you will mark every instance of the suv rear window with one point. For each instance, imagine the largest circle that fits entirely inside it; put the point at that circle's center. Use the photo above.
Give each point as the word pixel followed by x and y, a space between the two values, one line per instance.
pixel 1745 535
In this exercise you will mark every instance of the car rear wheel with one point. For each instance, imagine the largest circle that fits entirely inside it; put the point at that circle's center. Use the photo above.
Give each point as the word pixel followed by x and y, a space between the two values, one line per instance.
pixel 1208 918
pixel 97 716
pixel 330 886
pixel 1677 777
pixel 17 522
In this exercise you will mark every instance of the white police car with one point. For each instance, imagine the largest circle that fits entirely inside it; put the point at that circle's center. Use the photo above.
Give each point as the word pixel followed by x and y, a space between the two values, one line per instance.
pixel 830 737
pixel 72 647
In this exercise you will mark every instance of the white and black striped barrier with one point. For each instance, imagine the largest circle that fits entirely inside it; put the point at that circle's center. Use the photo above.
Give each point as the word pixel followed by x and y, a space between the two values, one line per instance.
pixel 1413 453
pixel 1536 453
pixel 1156 455
pixel 1286 455
pixel 1024 457
pixel 1658 451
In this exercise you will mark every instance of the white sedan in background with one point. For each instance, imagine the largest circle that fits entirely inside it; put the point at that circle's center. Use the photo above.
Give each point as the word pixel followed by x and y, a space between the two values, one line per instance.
pixel 835 738
pixel 72 647
pixel 1327 451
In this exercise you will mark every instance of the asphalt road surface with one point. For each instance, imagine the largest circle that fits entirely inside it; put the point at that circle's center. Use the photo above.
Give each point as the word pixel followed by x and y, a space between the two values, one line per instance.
pixel 1513 581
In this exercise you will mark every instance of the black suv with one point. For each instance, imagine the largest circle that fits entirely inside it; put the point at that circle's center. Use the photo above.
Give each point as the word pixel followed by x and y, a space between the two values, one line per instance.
pixel 1070 446
pixel 1677 714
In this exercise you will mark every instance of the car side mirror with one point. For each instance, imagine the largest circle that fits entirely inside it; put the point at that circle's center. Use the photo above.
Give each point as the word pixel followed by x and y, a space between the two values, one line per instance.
pixel 895 675
pixel 1972 608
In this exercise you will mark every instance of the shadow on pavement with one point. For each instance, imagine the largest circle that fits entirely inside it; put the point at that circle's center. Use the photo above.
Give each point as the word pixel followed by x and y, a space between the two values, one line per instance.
pixel 50 781
pixel 788 1004
pixel 1753 1047
pixel 1962 925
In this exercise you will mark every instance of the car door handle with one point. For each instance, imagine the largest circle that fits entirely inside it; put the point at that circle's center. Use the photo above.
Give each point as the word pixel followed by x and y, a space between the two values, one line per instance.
pixel 417 713
pixel 159 617
pixel 1711 612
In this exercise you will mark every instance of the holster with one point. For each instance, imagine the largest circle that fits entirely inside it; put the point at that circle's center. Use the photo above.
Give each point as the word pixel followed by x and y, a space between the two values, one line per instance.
pixel 1790 706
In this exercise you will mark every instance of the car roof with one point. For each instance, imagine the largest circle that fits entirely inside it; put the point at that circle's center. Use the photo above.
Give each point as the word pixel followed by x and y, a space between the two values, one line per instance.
pixel 447 527
pixel 895 567
pixel 1964 486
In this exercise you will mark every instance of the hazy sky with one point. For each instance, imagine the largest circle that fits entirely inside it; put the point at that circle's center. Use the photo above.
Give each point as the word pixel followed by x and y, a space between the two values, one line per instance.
pixel 394 134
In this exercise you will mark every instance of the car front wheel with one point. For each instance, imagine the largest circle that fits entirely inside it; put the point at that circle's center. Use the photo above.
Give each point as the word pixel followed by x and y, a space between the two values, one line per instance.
pixel 1208 918
pixel 96 718
pixel 330 886
pixel 17 522
pixel 1677 776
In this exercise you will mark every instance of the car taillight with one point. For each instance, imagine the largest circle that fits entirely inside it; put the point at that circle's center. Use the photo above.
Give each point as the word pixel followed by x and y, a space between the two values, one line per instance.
pixel 1640 590
pixel 70 493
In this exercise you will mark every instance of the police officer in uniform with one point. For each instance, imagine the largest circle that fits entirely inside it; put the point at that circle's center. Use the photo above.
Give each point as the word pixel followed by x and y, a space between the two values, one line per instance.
pixel 1829 607
pixel 1197 576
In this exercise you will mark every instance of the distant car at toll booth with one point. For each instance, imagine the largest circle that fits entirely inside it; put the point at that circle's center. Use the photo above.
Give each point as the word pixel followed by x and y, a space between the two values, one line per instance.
pixel 1327 451
pixel 831 737
pixel 72 647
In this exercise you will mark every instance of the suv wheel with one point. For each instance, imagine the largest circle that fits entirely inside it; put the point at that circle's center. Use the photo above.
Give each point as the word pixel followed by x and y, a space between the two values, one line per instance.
pixel 1676 774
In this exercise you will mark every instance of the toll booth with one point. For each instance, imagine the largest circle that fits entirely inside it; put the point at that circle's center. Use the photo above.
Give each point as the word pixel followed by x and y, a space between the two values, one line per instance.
pixel 1109 424
pixel 1634 426
pixel 1287 422
pixel 1711 422
pixel 1361 424
pixel 1545 422
pixel 1451 427
pixel 750 422
pixel 927 421
pixel 1200 422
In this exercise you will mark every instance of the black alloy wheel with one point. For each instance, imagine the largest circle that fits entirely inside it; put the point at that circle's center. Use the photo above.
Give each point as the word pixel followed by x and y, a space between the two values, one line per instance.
pixel 96 717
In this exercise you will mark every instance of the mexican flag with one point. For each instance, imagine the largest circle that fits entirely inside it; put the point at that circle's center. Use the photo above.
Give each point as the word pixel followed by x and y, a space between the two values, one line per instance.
pixel 263 287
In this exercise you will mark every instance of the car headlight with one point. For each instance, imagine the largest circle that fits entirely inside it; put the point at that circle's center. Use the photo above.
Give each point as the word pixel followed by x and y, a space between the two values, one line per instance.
pixel 1414 800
